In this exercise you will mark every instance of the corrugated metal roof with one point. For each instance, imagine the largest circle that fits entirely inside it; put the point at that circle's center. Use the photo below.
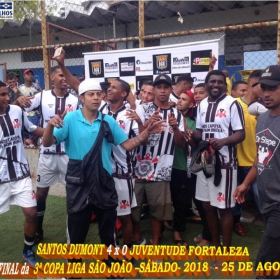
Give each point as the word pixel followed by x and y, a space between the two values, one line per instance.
pixel 124 13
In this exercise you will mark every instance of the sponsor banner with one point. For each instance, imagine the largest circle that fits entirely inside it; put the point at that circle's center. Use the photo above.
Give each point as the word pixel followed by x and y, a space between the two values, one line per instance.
pixel 162 64
pixel 111 68
pixel 6 10
pixel 131 81
pixel 180 63
pixel 200 60
pixel 110 79
pixel 139 78
pixel 144 65
pixel 198 78
pixel 133 64
pixel 175 77
pixel 127 66
pixel 96 68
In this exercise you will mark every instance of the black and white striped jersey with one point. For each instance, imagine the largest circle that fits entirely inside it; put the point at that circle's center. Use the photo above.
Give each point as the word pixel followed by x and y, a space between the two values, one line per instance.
pixel 154 161
pixel 219 120
pixel 122 160
pixel 13 162
pixel 47 103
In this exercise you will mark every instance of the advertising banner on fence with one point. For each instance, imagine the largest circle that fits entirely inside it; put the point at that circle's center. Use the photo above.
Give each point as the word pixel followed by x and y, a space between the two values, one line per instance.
pixel 133 64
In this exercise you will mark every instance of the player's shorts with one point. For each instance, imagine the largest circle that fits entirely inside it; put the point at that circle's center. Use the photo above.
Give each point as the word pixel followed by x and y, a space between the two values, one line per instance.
pixel 19 193
pixel 126 195
pixel 158 197
pixel 220 196
pixel 51 170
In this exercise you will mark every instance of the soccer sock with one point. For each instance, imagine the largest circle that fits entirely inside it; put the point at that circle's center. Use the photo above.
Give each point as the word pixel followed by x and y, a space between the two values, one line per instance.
pixel 41 207
pixel 236 219
pixel 28 243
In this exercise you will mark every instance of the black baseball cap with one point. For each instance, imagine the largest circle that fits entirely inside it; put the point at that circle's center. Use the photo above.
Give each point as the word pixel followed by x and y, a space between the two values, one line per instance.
pixel 270 76
pixel 163 78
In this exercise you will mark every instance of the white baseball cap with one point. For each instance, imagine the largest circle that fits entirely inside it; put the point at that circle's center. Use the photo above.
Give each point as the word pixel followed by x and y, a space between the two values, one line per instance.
pixel 88 84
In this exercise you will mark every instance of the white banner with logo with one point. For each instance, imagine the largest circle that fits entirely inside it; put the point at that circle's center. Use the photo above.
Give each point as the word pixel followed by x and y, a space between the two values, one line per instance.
pixel 132 65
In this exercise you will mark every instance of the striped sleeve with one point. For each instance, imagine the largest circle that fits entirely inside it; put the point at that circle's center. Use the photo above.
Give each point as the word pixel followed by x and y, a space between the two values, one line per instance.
pixel 236 116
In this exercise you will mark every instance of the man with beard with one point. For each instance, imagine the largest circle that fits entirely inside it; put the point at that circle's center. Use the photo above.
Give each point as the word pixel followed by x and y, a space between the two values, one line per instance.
pixel 266 171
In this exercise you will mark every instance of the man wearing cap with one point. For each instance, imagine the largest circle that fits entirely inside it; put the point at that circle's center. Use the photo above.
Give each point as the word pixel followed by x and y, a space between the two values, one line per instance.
pixel 266 171
pixel 29 88
pixel 154 160
pixel 53 160
pixel 183 83
pixel 79 130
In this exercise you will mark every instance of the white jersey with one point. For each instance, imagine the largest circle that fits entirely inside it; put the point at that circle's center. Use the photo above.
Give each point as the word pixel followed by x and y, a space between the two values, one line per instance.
pixel 13 162
pixel 122 160
pixel 48 103
pixel 173 97
pixel 154 161
pixel 219 120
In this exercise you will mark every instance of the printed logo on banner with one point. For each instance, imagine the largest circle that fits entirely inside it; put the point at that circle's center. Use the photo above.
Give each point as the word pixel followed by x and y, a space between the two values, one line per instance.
pixel 96 68
pixel 144 66
pixel 181 62
pixel 200 60
pixel 162 64
pixel 110 80
pixel 6 10
pixel 148 78
pixel 111 67
pixel 127 66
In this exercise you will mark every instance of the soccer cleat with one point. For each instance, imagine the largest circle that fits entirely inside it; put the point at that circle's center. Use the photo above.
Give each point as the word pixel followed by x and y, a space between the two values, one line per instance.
pixel 196 164
pixel 208 160
pixel 29 257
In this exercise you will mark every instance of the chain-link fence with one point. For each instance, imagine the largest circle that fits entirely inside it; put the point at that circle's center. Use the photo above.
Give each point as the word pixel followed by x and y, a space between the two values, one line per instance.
pixel 246 30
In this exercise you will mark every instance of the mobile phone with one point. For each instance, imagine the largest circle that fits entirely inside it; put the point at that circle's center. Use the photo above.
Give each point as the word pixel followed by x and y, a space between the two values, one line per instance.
pixel 57 52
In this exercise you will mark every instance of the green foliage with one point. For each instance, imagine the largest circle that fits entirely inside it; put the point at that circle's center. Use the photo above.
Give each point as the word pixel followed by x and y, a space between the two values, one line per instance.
pixel 30 10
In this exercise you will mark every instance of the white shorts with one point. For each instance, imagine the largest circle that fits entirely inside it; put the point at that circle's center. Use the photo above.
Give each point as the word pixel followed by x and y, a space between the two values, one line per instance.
pixel 19 193
pixel 51 170
pixel 126 195
pixel 220 196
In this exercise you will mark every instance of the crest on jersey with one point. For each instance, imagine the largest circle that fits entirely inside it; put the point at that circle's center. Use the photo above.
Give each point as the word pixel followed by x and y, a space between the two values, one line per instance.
pixel 220 197
pixel 69 108
pixel 221 113
pixel 16 123
pixel 124 204
pixel 161 61
pixel 96 68
pixel 145 166
pixel 121 124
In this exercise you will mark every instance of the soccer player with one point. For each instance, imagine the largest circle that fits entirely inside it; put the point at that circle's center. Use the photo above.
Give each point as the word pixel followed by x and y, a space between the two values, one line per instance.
pixel 220 121
pixel 53 160
pixel 15 181
pixel 154 160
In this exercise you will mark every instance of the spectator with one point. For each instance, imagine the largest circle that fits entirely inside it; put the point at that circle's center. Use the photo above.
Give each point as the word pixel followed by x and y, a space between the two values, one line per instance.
pixel 12 87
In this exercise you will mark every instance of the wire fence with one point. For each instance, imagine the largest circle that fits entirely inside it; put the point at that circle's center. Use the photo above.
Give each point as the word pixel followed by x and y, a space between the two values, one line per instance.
pixel 246 30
